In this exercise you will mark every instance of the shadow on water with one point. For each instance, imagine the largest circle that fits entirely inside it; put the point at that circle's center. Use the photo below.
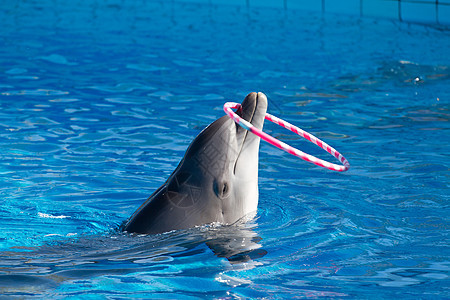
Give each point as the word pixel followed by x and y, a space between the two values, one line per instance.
pixel 47 267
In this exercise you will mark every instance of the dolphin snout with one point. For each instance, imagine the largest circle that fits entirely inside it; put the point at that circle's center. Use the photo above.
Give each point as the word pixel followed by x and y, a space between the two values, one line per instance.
pixel 254 109
pixel 260 111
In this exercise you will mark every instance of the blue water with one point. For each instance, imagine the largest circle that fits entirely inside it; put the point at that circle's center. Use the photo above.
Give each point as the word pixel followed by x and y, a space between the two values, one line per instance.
pixel 100 99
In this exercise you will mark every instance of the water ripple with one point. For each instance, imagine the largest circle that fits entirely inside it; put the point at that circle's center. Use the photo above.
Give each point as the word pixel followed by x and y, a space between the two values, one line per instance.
pixel 93 121
pixel 57 59
pixel 122 87
pixel 146 68
pixel 15 71
pixel 128 100
pixel 37 92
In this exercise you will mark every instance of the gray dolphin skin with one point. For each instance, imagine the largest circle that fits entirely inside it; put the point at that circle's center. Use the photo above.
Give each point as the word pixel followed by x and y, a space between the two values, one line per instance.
pixel 215 182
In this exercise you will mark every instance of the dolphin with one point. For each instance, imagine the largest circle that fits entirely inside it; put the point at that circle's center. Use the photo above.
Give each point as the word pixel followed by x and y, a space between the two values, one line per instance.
pixel 215 182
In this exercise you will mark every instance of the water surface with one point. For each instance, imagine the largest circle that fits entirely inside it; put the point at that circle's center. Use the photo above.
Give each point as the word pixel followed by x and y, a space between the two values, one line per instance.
pixel 99 101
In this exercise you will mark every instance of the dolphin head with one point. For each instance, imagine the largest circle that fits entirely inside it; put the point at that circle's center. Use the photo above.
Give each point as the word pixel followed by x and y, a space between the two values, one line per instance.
pixel 215 182
pixel 225 156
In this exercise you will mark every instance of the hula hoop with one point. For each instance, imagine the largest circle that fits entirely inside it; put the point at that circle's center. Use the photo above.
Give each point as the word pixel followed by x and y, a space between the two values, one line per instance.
pixel 227 107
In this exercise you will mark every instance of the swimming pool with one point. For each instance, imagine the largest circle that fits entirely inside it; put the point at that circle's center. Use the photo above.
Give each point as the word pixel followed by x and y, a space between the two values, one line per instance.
pixel 99 101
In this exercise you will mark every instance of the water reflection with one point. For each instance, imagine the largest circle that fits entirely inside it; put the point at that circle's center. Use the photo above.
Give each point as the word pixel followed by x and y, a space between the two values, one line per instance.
pixel 37 269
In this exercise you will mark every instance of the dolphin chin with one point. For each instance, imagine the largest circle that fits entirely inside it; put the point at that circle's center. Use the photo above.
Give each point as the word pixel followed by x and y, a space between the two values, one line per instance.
pixel 215 182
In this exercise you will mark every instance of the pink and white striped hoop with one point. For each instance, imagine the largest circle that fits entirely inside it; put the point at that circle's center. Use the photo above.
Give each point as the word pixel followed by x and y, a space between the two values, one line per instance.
pixel 227 107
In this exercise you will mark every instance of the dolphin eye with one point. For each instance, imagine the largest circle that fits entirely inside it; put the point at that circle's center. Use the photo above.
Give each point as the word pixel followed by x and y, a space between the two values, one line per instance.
pixel 221 189
pixel 225 189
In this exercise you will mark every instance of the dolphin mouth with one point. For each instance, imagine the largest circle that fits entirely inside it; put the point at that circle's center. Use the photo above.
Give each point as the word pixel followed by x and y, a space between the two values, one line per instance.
pixel 253 110
pixel 253 106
